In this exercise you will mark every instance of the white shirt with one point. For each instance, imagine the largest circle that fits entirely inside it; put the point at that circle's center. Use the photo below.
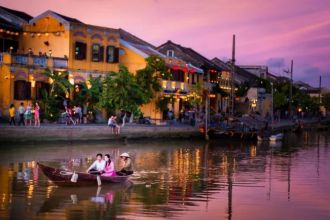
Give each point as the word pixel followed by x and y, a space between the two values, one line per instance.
pixel 97 165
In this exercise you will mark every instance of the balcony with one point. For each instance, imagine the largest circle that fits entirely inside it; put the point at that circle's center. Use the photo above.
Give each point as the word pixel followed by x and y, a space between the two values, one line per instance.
pixel 20 59
pixel 174 86
pixel 34 61
pixel 60 63
pixel 40 61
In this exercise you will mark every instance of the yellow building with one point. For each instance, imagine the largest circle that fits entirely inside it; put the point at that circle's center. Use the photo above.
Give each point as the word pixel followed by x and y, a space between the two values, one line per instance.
pixel 134 52
pixel 59 43
pixel 54 41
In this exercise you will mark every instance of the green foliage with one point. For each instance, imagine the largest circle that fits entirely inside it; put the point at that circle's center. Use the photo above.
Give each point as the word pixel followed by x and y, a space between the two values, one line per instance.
pixel 59 88
pixel 264 83
pixel 196 94
pixel 326 101
pixel 242 89
pixel 148 78
pixel 89 95
pixel 163 102
pixel 121 91
pixel 50 104
pixel 61 85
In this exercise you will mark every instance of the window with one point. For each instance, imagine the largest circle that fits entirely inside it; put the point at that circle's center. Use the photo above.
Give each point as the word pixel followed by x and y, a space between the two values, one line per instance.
pixel 40 87
pixel 112 54
pixel 80 51
pixel 178 75
pixel 170 53
pixel 22 90
pixel 97 53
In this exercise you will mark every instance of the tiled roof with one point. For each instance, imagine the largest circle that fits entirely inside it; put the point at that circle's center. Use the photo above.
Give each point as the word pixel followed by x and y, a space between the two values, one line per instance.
pixel 19 14
pixel 69 19
pixel 128 37
pixel 190 56
pixel 7 25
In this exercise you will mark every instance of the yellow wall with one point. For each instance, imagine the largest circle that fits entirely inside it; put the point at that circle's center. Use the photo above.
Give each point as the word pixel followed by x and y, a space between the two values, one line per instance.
pixel 132 60
pixel 47 26
pixel 86 34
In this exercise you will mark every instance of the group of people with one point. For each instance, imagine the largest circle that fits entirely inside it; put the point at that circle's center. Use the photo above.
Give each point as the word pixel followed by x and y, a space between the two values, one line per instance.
pixel 73 115
pixel 112 123
pixel 26 115
pixel 105 167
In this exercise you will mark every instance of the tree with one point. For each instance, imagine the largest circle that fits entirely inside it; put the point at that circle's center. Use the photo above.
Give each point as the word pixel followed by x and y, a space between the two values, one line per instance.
pixel 89 93
pixel 59 90
pixel 148 78
pixel 326 101
pixel 121 91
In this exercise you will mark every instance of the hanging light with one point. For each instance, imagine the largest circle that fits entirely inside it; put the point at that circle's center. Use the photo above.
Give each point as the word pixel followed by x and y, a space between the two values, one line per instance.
pixel 24 33
pixel 46 34
pixel 1 30
pixel 38 34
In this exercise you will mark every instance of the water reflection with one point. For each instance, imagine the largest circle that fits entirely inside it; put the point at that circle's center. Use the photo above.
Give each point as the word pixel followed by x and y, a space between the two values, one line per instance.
pixel 178 179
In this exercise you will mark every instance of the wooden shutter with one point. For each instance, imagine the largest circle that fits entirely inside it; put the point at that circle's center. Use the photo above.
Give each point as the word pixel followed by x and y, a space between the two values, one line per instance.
pixel 101 54
pixel 116 55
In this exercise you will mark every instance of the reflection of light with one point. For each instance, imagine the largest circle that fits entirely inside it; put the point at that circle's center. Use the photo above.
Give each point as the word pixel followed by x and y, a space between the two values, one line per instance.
pixel 30 191
pixel 173 85
pixel 164 84
pixel 253 151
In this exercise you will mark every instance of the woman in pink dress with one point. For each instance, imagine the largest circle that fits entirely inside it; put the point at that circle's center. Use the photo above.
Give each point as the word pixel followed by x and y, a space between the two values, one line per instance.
pixel 109 169
pixel 36 115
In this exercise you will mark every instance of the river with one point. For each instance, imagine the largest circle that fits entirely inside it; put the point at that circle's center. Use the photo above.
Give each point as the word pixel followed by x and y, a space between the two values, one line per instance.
pixel 174 180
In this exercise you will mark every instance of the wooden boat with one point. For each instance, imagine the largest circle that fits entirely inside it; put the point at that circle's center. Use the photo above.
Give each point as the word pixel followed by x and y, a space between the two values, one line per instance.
pixel 276 137
pixel 64 178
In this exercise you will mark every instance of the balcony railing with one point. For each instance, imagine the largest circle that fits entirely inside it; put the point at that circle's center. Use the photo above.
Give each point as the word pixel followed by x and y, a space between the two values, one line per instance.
pixel 40 61
pixel 173 86
pixel 20 59
pixel 60 63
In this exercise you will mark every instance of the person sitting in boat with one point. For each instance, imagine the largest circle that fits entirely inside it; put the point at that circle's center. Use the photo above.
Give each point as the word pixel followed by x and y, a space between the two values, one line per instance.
pixel 127 166
pixel 109 169
pixel 98 166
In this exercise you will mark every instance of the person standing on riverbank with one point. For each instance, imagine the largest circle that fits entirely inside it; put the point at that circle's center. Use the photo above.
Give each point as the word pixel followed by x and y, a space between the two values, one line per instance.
pixel 28 114
pixel 21 111
pixel 36 115
pixel 12 114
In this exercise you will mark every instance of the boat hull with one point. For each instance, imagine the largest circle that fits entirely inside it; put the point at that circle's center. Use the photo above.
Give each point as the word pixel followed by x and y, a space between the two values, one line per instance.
pixel 62 178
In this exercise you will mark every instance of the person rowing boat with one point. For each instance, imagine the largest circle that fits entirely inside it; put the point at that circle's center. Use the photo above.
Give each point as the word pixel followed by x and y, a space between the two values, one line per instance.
pixel 127 165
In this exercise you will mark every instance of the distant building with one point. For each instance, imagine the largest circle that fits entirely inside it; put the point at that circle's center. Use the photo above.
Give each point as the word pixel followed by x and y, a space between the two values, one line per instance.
pixel 212 72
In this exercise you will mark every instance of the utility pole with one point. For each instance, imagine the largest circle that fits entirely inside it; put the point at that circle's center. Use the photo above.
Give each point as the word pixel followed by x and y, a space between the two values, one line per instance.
pixel 291 82
pixel 232 78
pixel 320 87
pixel 207 106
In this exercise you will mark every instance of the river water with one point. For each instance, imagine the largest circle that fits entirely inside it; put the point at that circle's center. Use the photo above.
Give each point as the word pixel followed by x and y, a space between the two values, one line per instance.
pixel 174 180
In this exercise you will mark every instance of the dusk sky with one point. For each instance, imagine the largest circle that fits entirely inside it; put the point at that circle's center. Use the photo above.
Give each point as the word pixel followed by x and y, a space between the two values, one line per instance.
pixel 267 32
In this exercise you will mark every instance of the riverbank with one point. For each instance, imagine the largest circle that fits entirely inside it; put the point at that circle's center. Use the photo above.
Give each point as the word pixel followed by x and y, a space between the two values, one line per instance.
pixel 98 132
pixel 93 132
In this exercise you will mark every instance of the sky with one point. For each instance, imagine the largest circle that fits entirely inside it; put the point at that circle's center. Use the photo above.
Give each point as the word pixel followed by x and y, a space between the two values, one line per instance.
pixel 268 32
